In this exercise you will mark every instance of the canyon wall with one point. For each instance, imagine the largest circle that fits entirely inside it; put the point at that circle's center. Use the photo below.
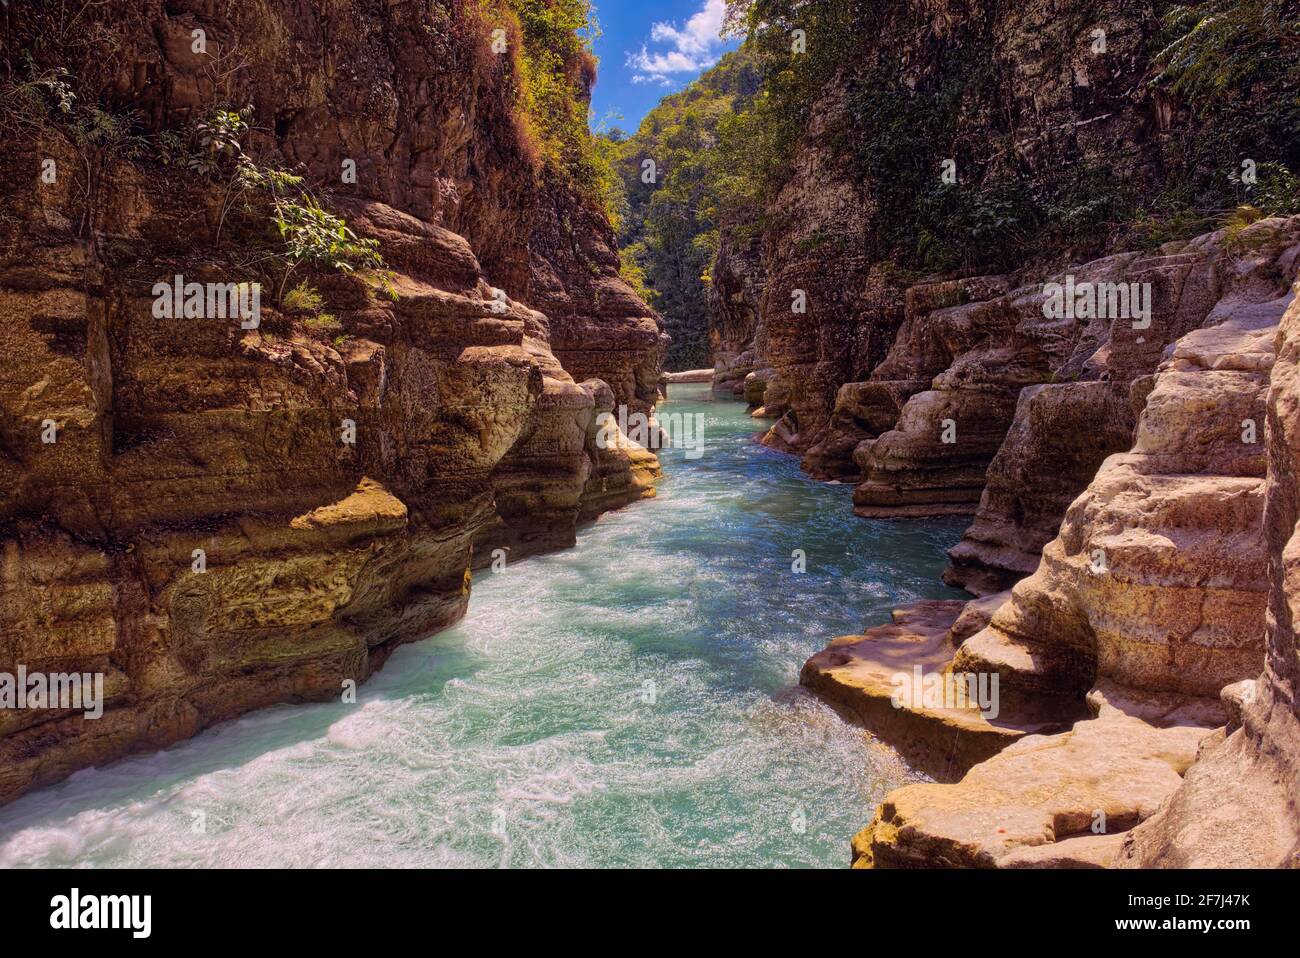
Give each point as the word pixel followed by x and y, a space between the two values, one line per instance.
pixel 836 232
pixel 1016 266
pixel 734 297
pixel 825 316
pixel 1060 432
pixel 1152 611
pixel 921 187
pixel 220 515
pixel 1237 806
pixel 879 369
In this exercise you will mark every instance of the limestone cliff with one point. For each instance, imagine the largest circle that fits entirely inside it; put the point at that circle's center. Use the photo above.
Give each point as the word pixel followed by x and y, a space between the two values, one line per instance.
pixel 928 182
pixel 1237 806
pixel 1036 103
pixel 734 298
pixel 826 316
pixel 1061 430
pixel 220 515
pixel 1148 605
pixel 935 187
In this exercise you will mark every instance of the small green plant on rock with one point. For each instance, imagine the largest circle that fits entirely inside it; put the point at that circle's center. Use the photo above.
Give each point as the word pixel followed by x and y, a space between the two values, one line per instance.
pixel 1236 224
pixel 382 281
pixel 323 323
pixel 1277 190
pixel 303 298
pixel 314 235
pixel 27 103
pixel 309 232
pixel 217 141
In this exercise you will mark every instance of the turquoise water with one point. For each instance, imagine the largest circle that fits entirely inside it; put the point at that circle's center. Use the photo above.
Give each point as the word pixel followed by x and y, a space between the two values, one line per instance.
pixel 633 701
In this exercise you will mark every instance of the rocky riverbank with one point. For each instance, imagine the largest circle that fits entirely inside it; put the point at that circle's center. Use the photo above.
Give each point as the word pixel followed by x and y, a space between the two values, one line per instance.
pixel 1137 648
pixel 1003 265
pixel 220 516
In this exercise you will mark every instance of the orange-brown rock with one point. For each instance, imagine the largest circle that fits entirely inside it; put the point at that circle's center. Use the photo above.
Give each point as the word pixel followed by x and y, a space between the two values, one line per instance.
pixel 1156 580
pixel 219 518
pixel 880 679
pixel 1046 801
pixel 1152 596
pixel 1030 402
pixel 1237 806
pixel 1061 432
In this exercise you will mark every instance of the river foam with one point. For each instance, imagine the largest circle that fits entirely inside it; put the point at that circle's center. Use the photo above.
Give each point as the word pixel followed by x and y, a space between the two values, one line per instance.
pixel 633 701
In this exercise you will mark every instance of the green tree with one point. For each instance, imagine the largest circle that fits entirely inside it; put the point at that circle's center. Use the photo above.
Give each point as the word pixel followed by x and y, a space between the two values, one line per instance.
pixel 670 228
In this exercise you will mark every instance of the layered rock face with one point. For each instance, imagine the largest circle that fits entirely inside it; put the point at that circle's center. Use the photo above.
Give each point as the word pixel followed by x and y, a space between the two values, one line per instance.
pixel 734 298
pixel 219 518
pixel 1156 578
pixel 1237 806
pixel 1052 112
pixel 1035 804
pixel 1031 400
pixel 825 317
pixel 1061 431
pixel 1153 597
pixel 880 677
pixel 599 328
pixel 1148 606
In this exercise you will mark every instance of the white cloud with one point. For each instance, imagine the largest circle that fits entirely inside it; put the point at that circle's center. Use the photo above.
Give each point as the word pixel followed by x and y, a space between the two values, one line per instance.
pixel 689 48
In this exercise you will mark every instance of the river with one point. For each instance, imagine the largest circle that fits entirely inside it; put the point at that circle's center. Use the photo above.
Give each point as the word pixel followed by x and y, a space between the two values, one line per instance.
pixel 633 701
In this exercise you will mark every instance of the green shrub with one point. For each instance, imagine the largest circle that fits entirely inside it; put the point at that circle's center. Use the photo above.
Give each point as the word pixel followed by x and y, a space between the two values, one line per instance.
pixel 556 64
pixel 1276 191
pixel 324 323
pixel 312 234
pixel 303 298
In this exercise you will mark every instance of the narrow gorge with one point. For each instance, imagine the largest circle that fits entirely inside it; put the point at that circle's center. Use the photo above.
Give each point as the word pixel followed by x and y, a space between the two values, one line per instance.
pixel 353 434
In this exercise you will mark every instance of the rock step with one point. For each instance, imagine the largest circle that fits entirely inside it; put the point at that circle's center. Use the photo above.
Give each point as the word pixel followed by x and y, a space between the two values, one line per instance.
pixel 1061 800
pixel 1027 670
pixel 892 679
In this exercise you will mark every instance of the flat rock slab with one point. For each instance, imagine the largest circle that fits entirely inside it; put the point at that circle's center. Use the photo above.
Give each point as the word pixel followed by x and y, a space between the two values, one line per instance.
pixel 872 676
pixel 1062 800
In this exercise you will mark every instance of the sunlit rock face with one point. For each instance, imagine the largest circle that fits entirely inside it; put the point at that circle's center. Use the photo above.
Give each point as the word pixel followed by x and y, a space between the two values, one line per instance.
pixel 1156 579
pixel 1062 430
pixel 1059 435
pixel 1236 807
pixel 220 518
pixel 1155 606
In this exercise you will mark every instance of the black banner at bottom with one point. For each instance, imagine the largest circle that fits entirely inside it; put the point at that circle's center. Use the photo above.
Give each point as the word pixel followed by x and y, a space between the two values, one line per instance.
pixel 878 907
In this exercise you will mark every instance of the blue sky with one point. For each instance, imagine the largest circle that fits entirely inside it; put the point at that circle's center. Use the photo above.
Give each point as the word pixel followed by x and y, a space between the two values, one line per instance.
pixel 648 50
